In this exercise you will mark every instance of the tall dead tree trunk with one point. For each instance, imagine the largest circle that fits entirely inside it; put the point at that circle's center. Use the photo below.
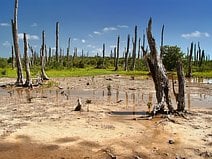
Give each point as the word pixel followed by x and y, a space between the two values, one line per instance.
pixel 28 81
pixel 127 53
pixel 103 56
pixel 139 48
pixel 181 88
pixel 14 22
pixel 57 42
pixel 13 57
pixel 43 73
pixel 68 50
pixel 117 54
pixel 114 57
pixel 158 73
pixel 189 73
pixel 134 50
pixel 161 45
pixel 180 96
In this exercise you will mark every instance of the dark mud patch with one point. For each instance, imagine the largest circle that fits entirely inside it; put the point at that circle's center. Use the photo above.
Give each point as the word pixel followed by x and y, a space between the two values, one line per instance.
pixel 67 140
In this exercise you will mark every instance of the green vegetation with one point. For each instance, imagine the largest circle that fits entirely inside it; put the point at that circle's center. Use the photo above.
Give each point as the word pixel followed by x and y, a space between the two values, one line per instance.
pixel 92 66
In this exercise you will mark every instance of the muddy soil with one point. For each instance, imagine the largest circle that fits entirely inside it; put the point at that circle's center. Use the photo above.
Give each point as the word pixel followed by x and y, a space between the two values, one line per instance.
pixel 40 123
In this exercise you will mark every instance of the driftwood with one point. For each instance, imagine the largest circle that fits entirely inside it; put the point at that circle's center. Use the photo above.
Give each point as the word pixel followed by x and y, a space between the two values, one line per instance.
pixel 158 73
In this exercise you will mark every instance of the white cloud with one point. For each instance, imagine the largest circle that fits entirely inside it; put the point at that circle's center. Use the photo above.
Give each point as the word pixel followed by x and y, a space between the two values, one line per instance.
pixel 97 33
pixel 122 26
pixel 6 44
pixel 75 39
pixel 34 25
pixel 83 41
pixel 4 24
pixel 109 29
pixel 196 34
pixel 29 37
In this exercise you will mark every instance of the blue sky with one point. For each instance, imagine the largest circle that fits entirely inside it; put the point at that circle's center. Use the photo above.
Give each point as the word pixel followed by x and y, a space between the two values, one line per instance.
pixel 90 23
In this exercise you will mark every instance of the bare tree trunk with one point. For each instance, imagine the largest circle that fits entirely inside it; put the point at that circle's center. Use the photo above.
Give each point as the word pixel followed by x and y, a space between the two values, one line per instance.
pixel 158 73
pixel 115 57
pixel 181 88
pixel 28 81
pixel 127 53
pixel 189 73
pixel 50 55
pixel 161 45
pixel 134 50
pixel 103 52
pixel 43 73
pixel 57 42
pixel 13 57
pixel 117 54
pixel 14 22
pixel 68 50
pixel 139 48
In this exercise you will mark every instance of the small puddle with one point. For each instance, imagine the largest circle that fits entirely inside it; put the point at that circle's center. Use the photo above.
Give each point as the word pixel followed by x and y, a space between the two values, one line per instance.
pixel 128 113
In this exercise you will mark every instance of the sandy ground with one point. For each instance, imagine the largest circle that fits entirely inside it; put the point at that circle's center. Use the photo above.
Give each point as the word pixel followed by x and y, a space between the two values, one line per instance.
pixel 41 124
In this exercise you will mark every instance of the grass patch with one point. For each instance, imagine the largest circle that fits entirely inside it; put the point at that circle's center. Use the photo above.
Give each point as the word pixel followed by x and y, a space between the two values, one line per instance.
pixel 79 72
pixel 203 74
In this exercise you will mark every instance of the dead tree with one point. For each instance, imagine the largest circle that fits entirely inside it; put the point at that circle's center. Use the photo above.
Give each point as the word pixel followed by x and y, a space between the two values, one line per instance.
pixel 43 73
pixel 117 54
pixel 158 73
pixel 189 73
pixel 13 57
pixel 127 53
pixel 28 81
pixel 68 50
pixel 103 56
pixel 32 61
pixel 180 96
pixel 57 42
pixel 14 23
pixel 161 45
pixel 132 68
pixel 115 57
pixel 139 48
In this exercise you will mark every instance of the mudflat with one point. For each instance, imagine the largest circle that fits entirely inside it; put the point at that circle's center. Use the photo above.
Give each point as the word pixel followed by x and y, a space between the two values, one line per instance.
pixel 41 123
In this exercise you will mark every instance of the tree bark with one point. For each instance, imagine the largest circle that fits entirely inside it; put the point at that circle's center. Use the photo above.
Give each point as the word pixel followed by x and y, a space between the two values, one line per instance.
pixel 127 53
pixel 161 45
pixel 19 81
pixel 189 73
pixel 134 50
pixel 68 50
pixel 158 73
pixel 115 57
pixel 43 73
pixel 57 42
pixel 13 58
pixel 103 52
pixel 117 54
pixel 28 81
pixel 181 88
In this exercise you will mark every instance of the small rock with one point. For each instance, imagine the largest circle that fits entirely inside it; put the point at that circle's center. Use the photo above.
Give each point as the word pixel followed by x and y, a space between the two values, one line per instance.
pixel 87 83
pixel 171 141
pixel 206 154
pixel 15 109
